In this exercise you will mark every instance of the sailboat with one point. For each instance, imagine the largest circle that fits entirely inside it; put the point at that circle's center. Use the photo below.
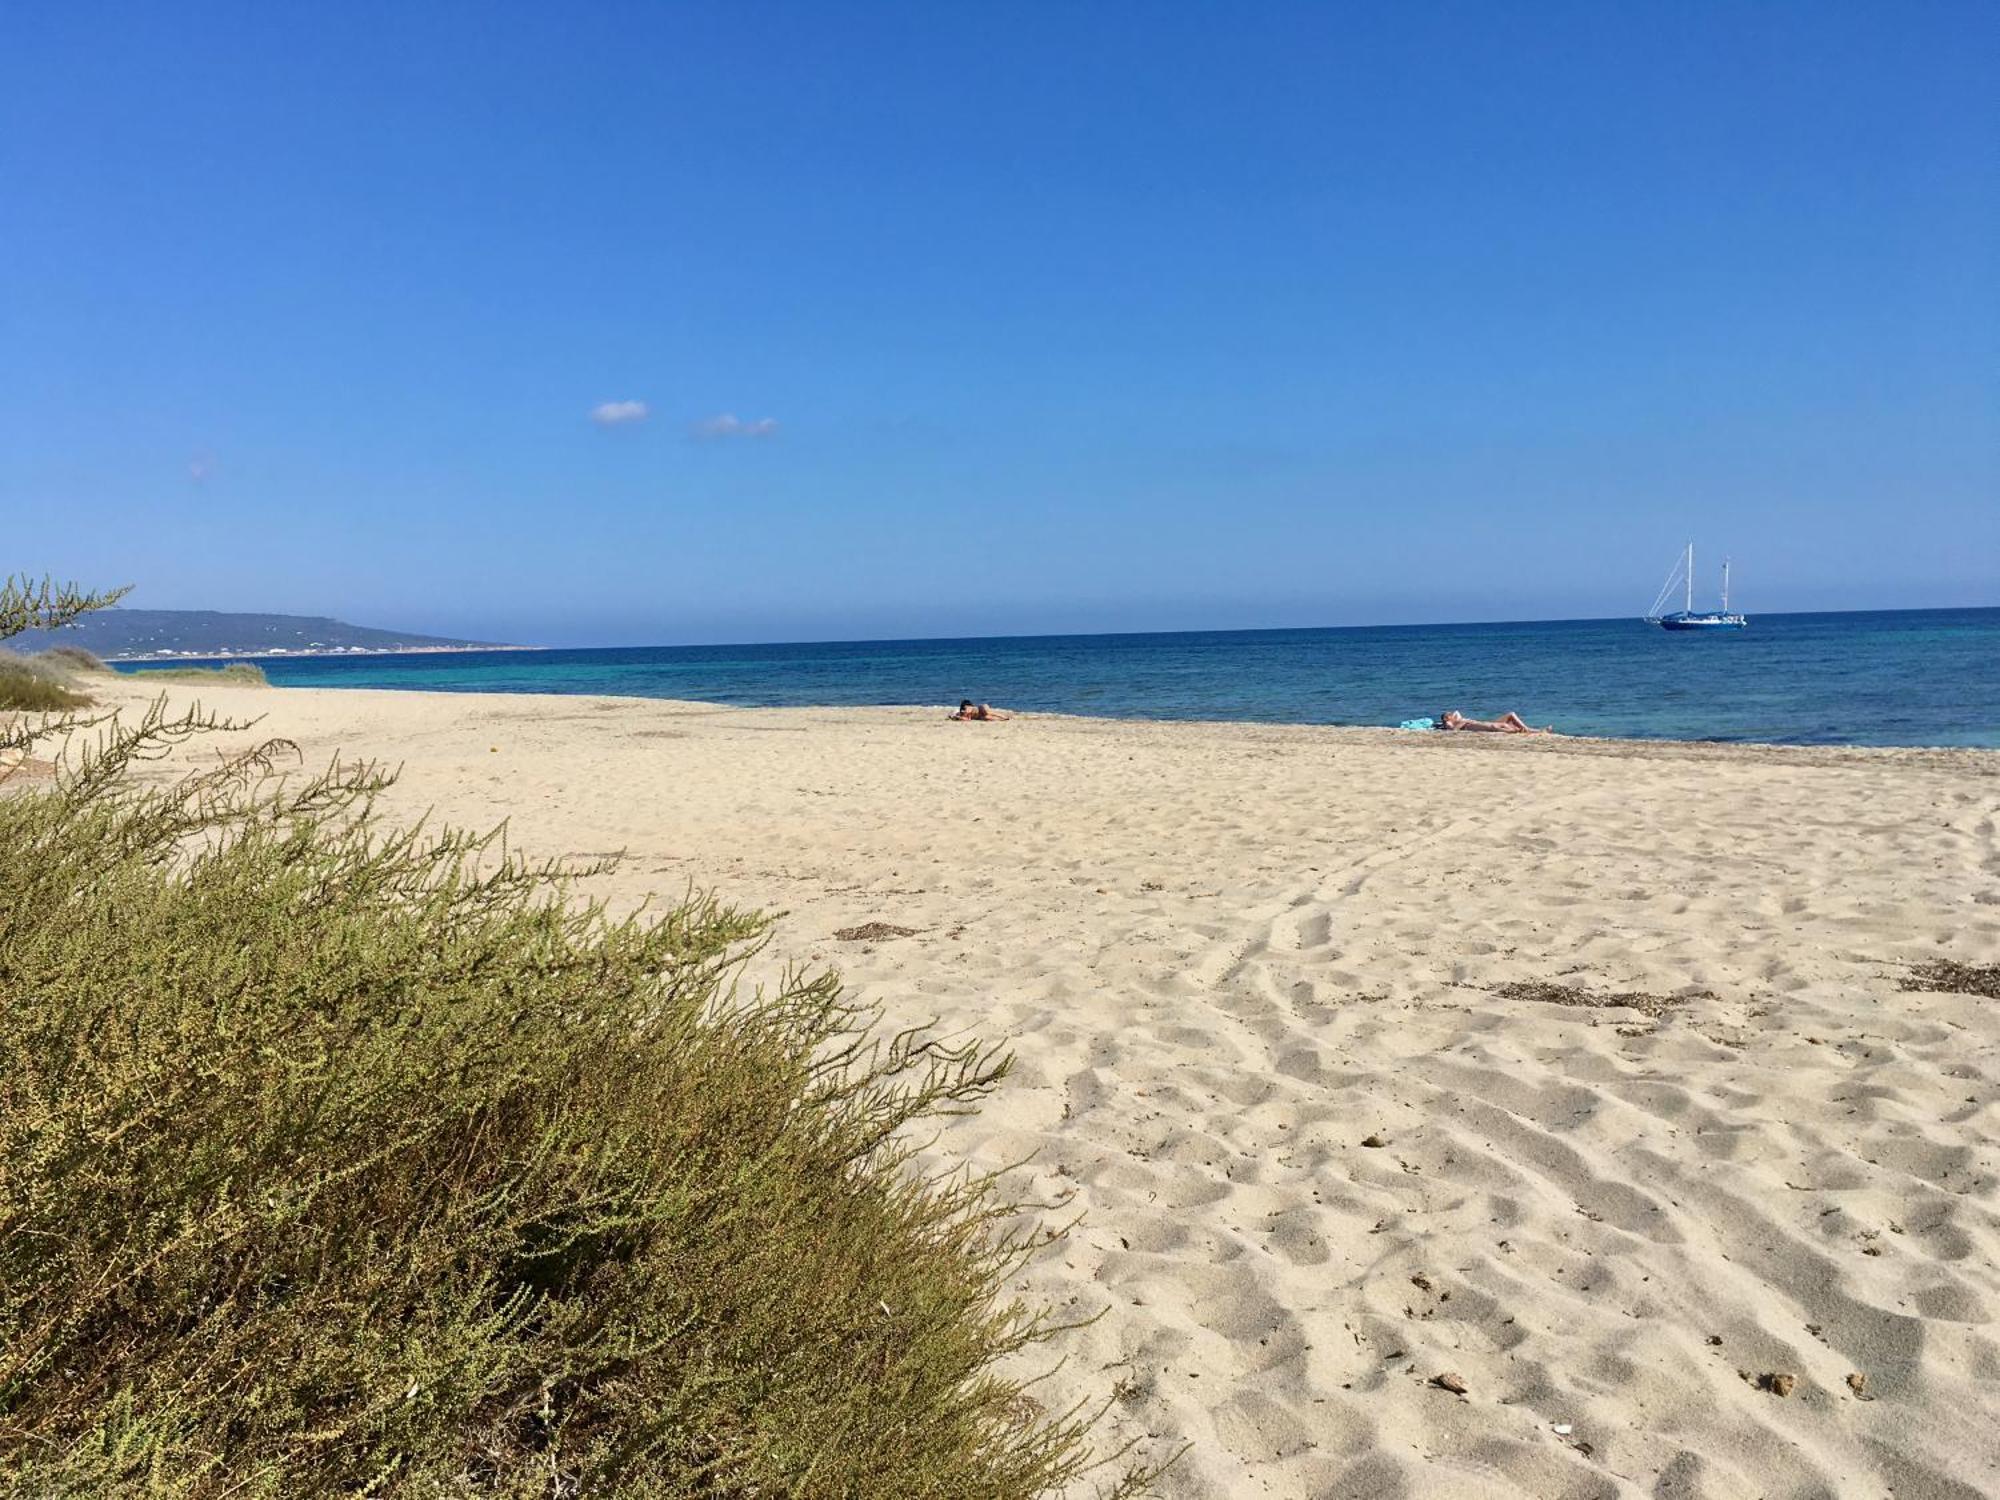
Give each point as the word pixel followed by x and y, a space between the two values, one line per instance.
pixel 1686 618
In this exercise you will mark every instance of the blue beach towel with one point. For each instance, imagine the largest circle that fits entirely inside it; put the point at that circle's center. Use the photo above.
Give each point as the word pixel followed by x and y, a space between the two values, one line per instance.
pixel 1418 724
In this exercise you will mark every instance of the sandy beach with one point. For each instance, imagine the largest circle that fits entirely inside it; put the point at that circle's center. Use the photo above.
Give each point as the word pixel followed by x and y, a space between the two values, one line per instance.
pixel 1715 1212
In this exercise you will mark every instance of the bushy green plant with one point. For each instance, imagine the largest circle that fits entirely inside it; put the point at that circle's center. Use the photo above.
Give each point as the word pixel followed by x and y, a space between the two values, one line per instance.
pixel 340 1161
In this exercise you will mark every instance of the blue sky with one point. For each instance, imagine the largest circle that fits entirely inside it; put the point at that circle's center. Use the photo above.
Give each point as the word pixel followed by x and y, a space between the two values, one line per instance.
pixel 957 319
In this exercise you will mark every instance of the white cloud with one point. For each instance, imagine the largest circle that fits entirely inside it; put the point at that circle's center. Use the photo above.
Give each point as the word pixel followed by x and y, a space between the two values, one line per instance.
pixel 729 426
pixel 618 413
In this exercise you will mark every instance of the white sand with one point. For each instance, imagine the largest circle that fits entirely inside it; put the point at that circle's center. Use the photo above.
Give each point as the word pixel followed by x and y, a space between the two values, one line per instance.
pixel 1227 955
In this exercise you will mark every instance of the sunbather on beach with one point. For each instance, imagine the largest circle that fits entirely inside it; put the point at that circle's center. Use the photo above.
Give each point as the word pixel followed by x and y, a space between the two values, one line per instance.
pixel 1508 723
pixel 967 709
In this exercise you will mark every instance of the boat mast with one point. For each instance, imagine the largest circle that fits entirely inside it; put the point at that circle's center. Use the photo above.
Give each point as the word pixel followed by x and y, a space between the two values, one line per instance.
pixel 1690 579
pixel 1725 585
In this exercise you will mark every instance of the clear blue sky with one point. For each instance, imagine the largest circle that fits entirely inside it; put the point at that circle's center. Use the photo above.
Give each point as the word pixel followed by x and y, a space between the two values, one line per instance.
pixel 1026 317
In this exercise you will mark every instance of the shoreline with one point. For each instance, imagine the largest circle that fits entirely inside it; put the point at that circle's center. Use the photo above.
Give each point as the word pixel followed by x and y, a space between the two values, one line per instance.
pixel 1607 744
pixel 1580 1070
pixel 1581 743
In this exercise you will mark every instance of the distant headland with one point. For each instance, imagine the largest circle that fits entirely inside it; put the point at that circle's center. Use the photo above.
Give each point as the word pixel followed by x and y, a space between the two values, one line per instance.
pixel 155 634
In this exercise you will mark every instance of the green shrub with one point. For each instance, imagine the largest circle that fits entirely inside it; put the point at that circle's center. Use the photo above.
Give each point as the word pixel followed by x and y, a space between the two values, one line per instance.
pixel 74 659
pixel 33 686
pixel 339 1162
pixel 235 674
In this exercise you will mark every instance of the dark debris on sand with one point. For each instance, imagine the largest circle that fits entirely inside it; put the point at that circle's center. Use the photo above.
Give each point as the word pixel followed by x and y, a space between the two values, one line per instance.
pixel 869 932
pixel 1945 977
pixel 1548 992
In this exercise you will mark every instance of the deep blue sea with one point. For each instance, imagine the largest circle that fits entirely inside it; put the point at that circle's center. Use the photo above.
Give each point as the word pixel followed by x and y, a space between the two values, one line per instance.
pixel 1904 677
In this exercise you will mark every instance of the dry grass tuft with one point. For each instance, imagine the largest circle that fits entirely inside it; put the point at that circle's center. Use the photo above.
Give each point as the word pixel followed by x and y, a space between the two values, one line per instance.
pixel 74 659
pixel 235 674
pixel 30 685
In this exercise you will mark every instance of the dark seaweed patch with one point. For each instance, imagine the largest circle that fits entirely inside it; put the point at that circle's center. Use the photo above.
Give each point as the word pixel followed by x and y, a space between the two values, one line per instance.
pixel 1945 977
pixel 1548 992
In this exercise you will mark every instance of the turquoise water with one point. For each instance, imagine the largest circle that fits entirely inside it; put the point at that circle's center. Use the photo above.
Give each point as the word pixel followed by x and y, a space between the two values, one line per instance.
pixel 1917 677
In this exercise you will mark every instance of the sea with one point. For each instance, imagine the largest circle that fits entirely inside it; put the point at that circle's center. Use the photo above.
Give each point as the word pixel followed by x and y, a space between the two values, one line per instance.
pixel 1891 677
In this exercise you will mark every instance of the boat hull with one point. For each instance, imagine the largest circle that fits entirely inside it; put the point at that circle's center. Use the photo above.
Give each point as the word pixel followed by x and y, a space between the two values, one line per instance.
pixel 1702 622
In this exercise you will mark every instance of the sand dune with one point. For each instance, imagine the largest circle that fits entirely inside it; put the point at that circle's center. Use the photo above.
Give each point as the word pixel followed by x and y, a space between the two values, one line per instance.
pixel 1255 981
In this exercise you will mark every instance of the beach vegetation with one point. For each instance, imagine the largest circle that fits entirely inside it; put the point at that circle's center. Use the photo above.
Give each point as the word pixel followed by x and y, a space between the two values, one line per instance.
pixel 347 1160
pixel 29 684
pixel 38 685
pixel 75 659
pixel 27 604
pixel 230 674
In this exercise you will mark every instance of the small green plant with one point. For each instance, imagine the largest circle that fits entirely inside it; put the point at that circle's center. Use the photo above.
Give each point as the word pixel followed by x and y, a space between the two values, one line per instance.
pixel 341 1161
pixel 233 674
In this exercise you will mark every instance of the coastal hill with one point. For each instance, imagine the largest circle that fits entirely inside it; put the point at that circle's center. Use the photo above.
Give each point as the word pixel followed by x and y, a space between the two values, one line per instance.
pixel 138 633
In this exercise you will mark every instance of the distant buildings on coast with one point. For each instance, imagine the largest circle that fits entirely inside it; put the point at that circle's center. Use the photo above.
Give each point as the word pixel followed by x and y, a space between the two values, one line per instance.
pixel 134 635
pixel 205 653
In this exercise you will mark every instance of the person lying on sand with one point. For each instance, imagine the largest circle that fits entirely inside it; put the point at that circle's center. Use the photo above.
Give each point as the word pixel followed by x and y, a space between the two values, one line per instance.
pixel 1508 723
pixel 967 709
